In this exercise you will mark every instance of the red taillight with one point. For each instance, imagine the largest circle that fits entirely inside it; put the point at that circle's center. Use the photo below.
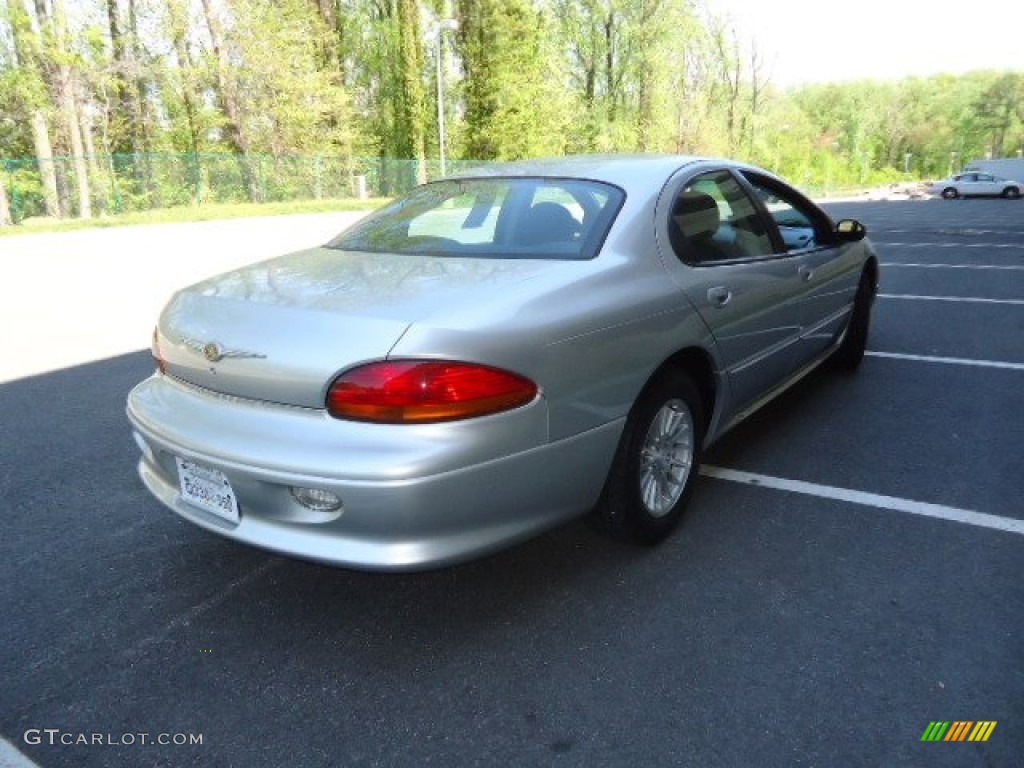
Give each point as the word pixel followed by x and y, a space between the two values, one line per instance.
pixel 158 357
pixel 423 391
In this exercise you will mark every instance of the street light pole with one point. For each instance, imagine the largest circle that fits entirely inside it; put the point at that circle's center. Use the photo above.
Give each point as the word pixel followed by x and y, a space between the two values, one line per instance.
pixel 442 25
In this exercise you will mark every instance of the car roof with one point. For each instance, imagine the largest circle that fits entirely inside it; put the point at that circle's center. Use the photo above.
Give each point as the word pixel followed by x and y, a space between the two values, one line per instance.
pixel 626 171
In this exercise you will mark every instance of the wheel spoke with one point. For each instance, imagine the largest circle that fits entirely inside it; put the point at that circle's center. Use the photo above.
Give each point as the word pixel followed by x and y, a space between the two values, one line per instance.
pixel 670 422
pixel 649 492
pixel 671 427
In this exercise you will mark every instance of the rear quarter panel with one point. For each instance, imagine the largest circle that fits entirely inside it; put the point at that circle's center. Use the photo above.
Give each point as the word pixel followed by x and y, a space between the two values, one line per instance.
pixel 590 335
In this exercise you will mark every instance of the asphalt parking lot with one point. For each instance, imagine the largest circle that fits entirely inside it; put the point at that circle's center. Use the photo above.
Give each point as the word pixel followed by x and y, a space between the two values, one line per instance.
pixel 849 572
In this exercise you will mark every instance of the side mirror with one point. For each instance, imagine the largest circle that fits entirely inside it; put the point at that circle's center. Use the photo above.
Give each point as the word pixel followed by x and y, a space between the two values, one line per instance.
pixel 850 230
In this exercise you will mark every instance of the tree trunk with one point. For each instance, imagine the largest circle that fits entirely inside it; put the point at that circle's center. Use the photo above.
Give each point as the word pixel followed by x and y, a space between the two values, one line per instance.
pixel 95 173
pixel 65 87
pixel 179 29
pixel 69 107
pixel 25 59
pixel 611 94
pixel 413 99
pixel 142 135
pixel 123 124
pixel 5 209
pixel 44 158
pixel 329 52
pixel 229 106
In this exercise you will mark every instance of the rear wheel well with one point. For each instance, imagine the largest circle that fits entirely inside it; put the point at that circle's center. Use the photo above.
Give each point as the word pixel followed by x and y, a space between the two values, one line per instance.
pixel 697 364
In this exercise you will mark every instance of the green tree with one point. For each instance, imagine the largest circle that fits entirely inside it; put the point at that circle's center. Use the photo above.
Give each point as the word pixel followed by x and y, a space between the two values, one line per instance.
pixel 412 108
pixel 514 95
pixel 27 85
pixel 1001 113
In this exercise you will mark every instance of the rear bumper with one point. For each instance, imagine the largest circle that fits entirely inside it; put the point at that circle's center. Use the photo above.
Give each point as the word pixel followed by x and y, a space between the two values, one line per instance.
pixel 413 496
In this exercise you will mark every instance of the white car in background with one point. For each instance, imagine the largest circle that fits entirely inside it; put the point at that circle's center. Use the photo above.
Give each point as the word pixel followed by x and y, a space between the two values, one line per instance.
pixel 976 184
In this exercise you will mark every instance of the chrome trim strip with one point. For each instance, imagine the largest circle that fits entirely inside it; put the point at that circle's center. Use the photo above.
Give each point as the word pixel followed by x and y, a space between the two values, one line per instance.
pixel 830 319
pixel 778 389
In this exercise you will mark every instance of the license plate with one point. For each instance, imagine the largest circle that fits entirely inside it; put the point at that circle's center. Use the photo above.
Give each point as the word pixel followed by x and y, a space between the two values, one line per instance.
pixel 207 488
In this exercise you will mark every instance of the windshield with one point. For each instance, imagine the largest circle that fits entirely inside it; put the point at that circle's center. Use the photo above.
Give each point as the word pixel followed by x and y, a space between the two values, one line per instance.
pixel 498 218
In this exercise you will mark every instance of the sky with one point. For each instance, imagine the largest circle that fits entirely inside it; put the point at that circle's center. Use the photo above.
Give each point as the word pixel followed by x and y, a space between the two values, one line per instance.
pixel 805 41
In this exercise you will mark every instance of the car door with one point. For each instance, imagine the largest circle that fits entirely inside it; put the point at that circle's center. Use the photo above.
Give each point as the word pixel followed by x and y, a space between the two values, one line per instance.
pixel 717 249
pixel 988 185
pixel 968 185
pixel 827 282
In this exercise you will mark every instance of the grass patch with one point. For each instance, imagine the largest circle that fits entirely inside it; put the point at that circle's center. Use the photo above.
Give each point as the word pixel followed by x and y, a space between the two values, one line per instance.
pixel 208 212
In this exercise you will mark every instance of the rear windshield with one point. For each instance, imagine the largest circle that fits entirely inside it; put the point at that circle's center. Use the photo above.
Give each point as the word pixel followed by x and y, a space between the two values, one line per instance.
pixel 498 218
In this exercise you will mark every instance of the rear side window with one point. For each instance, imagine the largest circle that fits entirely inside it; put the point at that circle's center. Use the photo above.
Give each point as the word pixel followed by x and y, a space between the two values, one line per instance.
pixel 535 218
pixel 713 219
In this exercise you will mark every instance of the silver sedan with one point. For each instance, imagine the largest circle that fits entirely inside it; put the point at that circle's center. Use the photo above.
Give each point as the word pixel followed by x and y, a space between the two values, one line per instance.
pixel 496 353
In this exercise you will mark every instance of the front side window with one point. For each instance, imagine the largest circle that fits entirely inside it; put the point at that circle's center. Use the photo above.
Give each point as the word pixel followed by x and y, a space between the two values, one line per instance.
pixel 713 219
pixel 492 218
pixel 800 225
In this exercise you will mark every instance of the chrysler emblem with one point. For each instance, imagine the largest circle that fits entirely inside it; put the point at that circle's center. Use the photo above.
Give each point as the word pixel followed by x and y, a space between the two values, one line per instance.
pixel 214 352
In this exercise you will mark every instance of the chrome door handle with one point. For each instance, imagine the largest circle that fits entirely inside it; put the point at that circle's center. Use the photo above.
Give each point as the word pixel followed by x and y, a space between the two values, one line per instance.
pixel 806 273
pixel 719 296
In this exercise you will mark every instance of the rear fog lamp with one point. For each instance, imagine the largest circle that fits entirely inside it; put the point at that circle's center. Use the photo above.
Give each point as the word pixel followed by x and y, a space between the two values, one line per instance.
pixel 316 499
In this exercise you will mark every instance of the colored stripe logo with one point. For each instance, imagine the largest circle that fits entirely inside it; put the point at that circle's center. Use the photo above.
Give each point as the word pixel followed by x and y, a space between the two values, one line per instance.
pixel 958 730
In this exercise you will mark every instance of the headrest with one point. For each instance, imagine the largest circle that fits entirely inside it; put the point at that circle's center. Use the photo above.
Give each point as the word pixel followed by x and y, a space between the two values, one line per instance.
pixel 696 214
pixel 549 223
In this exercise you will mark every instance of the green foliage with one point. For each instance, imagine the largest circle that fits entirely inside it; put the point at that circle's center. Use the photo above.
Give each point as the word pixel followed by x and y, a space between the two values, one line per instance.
pixel 24 189
pixel 290 105
pixel 515 106
pixel 316 85
pixel 940 122
pixel 628 65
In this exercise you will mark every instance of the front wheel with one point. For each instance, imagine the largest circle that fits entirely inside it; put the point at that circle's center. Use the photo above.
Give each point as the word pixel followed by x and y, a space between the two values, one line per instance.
pixel 950 193
pixel 1011 193
pixel 656 463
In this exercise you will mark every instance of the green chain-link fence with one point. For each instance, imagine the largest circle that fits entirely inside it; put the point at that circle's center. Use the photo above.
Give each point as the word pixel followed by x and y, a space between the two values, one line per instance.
pixel 138 182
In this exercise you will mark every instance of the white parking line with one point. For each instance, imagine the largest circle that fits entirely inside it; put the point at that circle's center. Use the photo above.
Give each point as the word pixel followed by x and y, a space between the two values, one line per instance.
pixel 10 757
pixel 938 511
pixel 949 360
pixel 950 245
pixel 889 264
pixel 955 299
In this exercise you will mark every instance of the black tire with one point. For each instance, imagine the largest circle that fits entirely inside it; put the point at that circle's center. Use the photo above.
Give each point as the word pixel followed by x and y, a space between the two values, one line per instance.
pixel 950 193
pixel 1011 193
pixel 648 459
pixel 850 352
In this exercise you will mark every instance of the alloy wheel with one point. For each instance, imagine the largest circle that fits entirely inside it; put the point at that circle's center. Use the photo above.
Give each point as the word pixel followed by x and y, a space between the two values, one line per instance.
pixel 666 458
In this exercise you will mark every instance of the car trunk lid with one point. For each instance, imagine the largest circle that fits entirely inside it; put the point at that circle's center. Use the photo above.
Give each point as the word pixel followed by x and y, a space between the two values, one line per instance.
pixel 282 330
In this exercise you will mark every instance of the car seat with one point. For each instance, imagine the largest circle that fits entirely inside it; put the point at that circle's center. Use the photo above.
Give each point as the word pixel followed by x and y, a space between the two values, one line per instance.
pixel 695 216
